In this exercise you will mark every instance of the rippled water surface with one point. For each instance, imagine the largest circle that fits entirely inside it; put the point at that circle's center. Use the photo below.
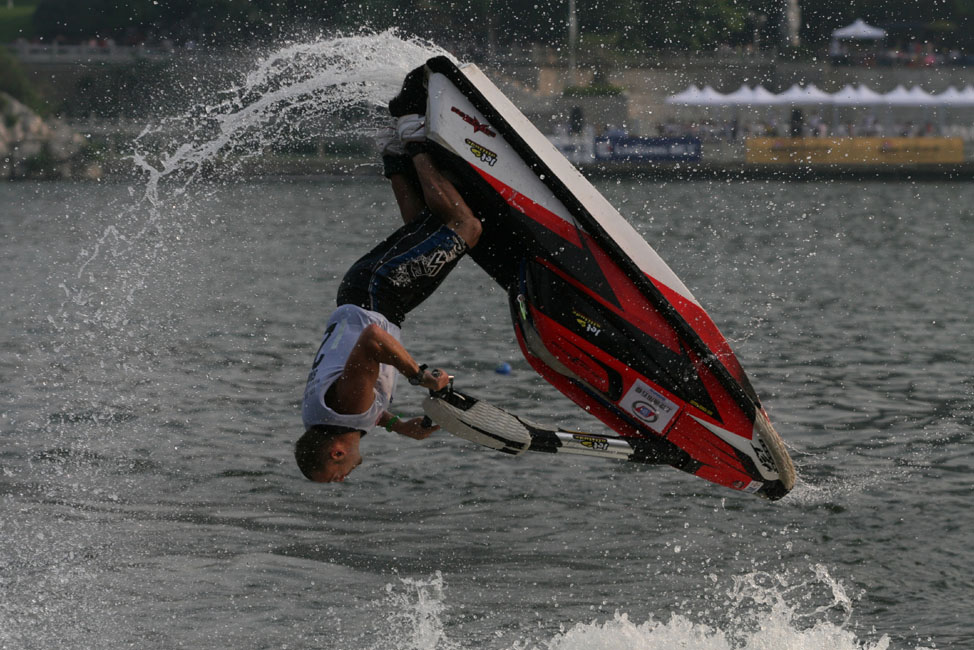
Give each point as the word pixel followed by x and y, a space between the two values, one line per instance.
pixel 152 369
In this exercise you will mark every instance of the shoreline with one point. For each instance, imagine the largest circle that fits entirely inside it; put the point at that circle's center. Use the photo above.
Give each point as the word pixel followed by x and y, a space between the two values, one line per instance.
pixel 782 172
pixel 679 171
pixel 119 169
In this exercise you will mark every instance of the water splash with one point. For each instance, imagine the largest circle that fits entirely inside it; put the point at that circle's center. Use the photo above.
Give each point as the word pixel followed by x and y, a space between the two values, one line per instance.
pixel 307 88
pixel 416 623
pixel 680 632
pixel 762 611
pixel 301 91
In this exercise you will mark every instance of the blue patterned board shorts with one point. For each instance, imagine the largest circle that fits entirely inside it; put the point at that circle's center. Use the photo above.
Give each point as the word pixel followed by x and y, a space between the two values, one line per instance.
pixel 403 270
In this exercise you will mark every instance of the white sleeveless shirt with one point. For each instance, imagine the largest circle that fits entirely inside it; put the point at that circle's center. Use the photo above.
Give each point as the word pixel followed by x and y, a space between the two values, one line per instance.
pixel 341 333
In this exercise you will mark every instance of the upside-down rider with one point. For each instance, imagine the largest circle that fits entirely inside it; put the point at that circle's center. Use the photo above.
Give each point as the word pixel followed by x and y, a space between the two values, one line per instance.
pixel 355 369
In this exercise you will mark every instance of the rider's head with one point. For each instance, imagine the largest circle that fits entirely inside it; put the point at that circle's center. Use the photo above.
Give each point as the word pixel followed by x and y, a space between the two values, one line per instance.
pixel 327 453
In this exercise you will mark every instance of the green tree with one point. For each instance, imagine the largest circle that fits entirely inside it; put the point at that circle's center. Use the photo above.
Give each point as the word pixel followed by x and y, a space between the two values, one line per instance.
pixel 695 24
pixel 15 83
pixel 468 25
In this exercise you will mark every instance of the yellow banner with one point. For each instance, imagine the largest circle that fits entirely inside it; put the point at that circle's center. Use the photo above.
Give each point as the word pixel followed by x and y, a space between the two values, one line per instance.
pixel 854 151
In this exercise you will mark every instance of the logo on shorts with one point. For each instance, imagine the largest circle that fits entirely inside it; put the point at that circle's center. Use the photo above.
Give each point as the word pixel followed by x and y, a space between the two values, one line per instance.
pixel 427 265
pixel 482 152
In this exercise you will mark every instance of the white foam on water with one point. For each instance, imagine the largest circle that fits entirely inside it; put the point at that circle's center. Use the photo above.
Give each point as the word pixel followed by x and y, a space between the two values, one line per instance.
pixel 681 632
pixel 762 611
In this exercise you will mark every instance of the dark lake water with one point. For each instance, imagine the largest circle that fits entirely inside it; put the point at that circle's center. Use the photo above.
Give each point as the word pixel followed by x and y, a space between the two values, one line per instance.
pixel 151 367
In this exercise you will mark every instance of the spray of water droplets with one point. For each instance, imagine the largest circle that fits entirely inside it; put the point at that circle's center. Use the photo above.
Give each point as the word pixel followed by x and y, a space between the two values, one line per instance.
pixel 320 88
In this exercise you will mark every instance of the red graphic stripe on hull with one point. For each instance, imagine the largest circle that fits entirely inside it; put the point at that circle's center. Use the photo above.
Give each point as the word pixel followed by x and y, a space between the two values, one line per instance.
pixel 701 322
pixel 534 210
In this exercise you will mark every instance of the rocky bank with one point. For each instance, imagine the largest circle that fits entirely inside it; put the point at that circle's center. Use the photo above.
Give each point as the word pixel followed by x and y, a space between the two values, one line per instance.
pixel 34 148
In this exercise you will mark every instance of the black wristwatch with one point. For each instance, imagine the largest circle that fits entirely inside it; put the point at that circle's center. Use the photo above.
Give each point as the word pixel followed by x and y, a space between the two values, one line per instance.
pixel 416 379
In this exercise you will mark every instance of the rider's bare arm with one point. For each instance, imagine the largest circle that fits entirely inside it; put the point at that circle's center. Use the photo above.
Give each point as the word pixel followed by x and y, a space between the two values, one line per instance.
pixel 352 391
pixel 408 197
pixel 444 201
pixel 411 428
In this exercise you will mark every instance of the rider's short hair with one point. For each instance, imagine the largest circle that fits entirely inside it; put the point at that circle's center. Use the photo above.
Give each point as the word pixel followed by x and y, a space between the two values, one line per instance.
pixel 311 449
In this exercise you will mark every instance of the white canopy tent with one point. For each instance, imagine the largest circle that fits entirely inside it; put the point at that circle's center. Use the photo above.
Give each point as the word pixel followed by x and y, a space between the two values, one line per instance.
pixel 900 96
pixel 854 37
pixel 857 96
pixel 695 96
pixel 688 97
pixel 710 97
pixel 743 96
pixel 951 97
pixel 850 100
pixel 922 97
pixel 967 96
pixel 761 96
pixel 858 31
pixel 811 95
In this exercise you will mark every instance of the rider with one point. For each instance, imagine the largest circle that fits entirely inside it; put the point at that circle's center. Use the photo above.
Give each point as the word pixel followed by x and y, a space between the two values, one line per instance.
pixel 355 369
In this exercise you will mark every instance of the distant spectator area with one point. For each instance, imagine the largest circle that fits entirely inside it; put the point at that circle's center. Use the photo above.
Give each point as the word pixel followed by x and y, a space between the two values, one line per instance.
pixel 807 111
pixel 895 44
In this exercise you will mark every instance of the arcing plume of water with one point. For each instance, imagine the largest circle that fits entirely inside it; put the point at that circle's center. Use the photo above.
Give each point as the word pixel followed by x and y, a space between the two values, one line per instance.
pixel 307 88
pixel 326 87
